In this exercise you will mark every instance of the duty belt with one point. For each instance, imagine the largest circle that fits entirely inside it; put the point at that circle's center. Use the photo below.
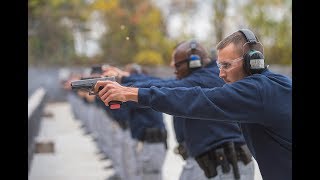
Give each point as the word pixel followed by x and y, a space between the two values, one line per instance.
pixel 228 153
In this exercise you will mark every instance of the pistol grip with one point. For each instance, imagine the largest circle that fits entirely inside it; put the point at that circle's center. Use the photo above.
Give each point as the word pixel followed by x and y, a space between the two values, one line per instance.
pixel 115 104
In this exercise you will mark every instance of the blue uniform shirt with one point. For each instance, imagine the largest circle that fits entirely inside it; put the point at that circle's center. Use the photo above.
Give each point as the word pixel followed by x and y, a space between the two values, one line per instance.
pixel 142 118
pixel 261 102
pixel 200 136
pixel 121 115
pixel 137 78
pixel 132 80
pixel 139 117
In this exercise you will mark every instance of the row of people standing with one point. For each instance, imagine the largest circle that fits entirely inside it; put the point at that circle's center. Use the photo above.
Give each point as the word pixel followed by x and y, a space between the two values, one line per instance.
pixel 134 138
pixel 254 97
pixel 212 150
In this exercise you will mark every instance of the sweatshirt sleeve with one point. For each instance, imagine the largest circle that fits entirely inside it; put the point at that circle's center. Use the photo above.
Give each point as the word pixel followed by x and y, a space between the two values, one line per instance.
pixel 236 102
pixel 163 83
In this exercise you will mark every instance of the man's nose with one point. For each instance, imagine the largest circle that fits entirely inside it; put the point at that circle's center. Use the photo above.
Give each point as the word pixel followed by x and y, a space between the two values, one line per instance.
pixel 222 73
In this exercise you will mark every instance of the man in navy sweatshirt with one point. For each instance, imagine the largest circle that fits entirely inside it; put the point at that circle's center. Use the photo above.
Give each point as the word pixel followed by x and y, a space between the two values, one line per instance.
pixel 259 99
pixel 218 147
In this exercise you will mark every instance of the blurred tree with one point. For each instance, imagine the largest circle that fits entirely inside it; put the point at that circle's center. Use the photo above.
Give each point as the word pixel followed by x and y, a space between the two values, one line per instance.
pixel 135 32
pixel 185 10
pixel 51 26
pixel 272 22
pixel 220 11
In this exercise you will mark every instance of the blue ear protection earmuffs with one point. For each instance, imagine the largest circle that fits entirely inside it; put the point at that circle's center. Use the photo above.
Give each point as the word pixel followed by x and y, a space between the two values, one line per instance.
pixel 194 59
pixel 253 59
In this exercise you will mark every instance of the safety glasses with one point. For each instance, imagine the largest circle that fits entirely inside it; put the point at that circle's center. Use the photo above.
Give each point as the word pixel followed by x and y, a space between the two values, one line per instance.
pixel 227 65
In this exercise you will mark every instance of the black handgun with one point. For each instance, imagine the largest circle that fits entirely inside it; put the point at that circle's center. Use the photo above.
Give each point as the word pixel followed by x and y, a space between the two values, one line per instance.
pixel 232 157
pixel 207 165
pixel 221 158
pixel 88 84
pixel 90 77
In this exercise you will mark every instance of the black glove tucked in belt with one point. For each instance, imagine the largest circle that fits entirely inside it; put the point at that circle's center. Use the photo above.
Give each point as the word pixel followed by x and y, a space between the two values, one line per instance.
pixel 181 149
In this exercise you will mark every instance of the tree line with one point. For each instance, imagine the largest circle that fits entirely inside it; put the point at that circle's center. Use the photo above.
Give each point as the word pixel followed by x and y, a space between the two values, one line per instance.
pixel 137 30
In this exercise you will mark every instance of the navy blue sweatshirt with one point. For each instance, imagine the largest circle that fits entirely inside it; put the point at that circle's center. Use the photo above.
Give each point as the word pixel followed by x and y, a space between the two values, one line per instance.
pixel 262 103
pixel 179 128
pixel 200 136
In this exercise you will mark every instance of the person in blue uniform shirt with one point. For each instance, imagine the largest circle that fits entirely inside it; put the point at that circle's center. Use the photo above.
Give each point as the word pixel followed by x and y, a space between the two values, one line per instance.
pixel 149 136
pixel 148 133
pixel 212 144
pixel 117 139
pixel 254 96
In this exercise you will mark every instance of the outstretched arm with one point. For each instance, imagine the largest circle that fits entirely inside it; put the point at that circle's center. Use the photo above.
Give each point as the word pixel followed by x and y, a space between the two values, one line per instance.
pixel 227 103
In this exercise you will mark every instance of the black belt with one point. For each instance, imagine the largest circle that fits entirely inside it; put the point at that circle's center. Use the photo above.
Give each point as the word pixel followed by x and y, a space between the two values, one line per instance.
pixel 227 153
pixel 155 135
pixel 123 124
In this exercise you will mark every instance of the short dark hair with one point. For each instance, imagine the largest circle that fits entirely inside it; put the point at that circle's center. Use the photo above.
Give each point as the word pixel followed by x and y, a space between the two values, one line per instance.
pixel 238 39
pixel 185 46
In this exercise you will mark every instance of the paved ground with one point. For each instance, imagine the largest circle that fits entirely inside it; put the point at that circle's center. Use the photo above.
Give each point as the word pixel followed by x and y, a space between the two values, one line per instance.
pixel 76 157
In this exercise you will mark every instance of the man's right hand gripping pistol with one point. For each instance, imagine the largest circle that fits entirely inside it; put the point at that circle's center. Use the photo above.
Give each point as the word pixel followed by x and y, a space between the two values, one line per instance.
pixel 87 84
